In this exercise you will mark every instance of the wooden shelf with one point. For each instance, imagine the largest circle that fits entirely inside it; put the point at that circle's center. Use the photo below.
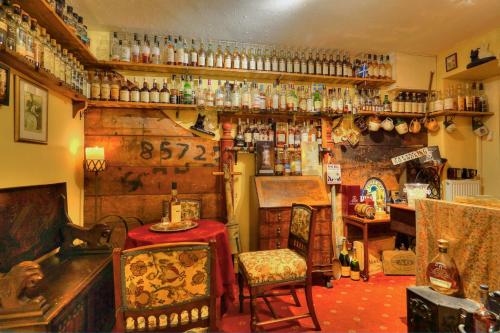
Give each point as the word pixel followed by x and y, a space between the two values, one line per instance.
pixel 392 114
pixel 238 74
pixel 478 73
pixel 139 105
pixel 57 29
pixel 42 77
pixel 460 113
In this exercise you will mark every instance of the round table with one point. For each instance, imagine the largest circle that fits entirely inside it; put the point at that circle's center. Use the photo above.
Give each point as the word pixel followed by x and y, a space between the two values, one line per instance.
pixel 206 230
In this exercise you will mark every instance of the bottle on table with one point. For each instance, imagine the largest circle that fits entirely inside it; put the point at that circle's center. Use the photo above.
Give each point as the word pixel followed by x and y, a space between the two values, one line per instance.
pixel 442 272
pixel 345 260
pixel 354 266
pixel 175 210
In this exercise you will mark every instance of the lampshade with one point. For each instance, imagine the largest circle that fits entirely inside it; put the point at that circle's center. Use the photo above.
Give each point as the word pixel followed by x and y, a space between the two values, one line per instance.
pixel 94 159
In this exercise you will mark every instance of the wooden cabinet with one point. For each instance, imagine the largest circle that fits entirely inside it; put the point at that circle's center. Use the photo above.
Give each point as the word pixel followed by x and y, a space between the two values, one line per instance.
pixel 275 197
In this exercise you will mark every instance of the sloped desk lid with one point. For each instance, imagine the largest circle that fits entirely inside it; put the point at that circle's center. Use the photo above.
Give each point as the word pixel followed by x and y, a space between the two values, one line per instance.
pixel 284 191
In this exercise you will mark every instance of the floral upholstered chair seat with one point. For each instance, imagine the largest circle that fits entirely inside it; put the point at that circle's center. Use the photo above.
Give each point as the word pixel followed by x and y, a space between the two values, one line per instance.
pixel 273 266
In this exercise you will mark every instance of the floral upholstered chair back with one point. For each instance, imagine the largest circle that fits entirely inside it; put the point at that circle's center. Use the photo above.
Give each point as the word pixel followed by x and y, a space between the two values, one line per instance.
pixel 165 287
pixel 301 228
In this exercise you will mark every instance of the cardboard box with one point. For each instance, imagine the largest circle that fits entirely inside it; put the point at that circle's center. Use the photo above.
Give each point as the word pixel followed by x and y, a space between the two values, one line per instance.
pixel 375 248
pixel 399 262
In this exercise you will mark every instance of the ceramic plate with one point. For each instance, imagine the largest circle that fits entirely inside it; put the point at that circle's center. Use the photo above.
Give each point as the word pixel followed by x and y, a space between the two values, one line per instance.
pixel 163 227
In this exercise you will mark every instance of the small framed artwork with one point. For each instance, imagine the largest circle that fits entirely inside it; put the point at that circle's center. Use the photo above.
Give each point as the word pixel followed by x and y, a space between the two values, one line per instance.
pixel 451 62
pixel 4 85
pixel 31 111
pixel 264 158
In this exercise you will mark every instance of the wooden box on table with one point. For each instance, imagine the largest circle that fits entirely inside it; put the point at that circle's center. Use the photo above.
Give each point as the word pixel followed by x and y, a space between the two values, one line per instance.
pixel 40 289
pixel 275 197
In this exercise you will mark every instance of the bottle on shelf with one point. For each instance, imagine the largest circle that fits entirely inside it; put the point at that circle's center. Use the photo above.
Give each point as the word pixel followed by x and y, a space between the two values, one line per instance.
pixel 155 57
pixel 174 205
pixel 244 59
pixel 135 95
pixel 202 56
pixel 154 93
pixel 136 50
pixel 105 88
pixel 115 48
pixel 239 139
pixel 484 321
pixel 193 55
pixel 345 260
pixel 267 61
pixel 144 93
pixel 259 61
pixel 236 58
pixel 146 51
pixel 95 88
pixel 124 92
pixel 354 267
pixel 188 91
pixel 388 68
pixel 114 89
pixel 165 93
pixel 251 60
pixel 483 100
pixel 442 272
pixel 228 59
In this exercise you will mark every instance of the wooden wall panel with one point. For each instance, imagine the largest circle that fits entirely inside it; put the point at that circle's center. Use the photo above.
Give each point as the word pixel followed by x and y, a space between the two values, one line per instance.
pixel 145 152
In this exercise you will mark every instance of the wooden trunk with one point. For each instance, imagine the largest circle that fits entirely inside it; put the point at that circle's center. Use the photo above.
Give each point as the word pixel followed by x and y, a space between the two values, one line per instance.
pixel 276 196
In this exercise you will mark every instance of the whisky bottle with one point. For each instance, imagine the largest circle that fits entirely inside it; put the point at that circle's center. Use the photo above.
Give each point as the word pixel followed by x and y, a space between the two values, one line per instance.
pixel 124 92
pixel 282 62
pixel 210 56
pixel 165 93
pixel 310 63
pixel 209 94
pixel 248 135
pixel 239 139
pixel 442 272
pixel 354 266
pixel 460 99
pixel 202 56
pixel 338 66
pixel 134 92
pixel 382 68
pixel 325 65
pixel 145 51
pixel 228 61
pixel 244 59
pixel 388 68
pixel 114 88
pixel 95 87
pixel 144 93
pixel 185 61
pixel 318 65
pixel 155 52
pixel 303 63
pixel 175 206
pixel 236 59
pixel 483 319
pixel 344 259
pixel 154 93
pixel 105 88
pixel 179 52
pixel 331 65
pixel 136 50
pixel 289 62
pixel 267 61
pixel 193 54
pixel 274 61
pixel 483 99
pixel 219 58
pixel 251 60
pixel 296 63
pixel 170 52
pixel 259 61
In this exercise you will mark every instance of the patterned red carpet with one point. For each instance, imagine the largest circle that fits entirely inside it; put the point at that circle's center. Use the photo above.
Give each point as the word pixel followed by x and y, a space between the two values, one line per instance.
pixel 355 307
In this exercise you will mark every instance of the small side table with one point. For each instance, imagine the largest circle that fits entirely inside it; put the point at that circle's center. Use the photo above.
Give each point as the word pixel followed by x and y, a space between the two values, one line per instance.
pixel 363 224
pixel 403 219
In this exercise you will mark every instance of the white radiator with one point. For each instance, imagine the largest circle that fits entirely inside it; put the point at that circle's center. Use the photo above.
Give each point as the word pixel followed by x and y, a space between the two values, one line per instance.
pixel 466 187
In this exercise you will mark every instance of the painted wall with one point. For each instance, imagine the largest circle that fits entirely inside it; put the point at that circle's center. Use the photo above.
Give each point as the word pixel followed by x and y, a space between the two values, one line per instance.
pixel 463 149
pixel 24 164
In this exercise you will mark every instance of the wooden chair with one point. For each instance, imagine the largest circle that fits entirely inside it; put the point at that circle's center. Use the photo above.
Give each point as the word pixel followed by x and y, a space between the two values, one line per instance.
pixel 165 287
pixel 291 267
pixel 120 226
pixel 190 209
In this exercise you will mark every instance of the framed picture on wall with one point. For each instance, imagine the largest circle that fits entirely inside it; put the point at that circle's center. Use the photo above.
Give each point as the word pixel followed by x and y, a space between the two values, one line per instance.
pixel 4 85
pixel 451 62
pixel 31 111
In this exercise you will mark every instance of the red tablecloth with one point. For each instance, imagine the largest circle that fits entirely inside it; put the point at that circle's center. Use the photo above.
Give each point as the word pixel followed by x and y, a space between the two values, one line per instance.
pixel 207 230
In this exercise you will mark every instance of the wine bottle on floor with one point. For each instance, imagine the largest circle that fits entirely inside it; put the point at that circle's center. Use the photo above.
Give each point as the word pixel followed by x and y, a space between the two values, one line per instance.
pixel 354 266
pixel 344 259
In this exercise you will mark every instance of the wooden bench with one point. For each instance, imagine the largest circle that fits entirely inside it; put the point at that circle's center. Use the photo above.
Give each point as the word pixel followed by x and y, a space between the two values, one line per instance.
pixel 46 282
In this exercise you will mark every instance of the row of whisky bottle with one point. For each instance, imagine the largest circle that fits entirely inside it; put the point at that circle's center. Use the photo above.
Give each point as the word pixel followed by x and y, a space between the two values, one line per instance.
pixel 21 34
pixel 461 98
pixel 237 95
pixel 177 52
pixel 282 135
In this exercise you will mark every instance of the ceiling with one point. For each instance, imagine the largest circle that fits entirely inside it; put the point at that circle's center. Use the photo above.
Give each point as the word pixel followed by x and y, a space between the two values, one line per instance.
pixel 419 27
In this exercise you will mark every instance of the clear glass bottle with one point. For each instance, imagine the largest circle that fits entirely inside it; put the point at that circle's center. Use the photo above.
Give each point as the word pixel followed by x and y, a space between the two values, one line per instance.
pixel 202 56
pixel 296 63
pixel 174 91
pixel 13 21
pixel 209 94
pixel 135 94
pixel 58 62
pixel 67 67
pixel 179 52
pixel 252 65
pixel 48 54
pixel 310 63
pixel 245 96
pixel 267 60
pixel 483 99
pixel 282 62
pixel 244 59
pixel 115 48
pixel 114 88
pixel 274 61
pixel 95 89
pixel 442 272
pixel 236 58
pixel 219 57
pixel 303 63
pixel 36 44
pixel 3 25
pixel 155 51
pixel 210 56
pixel 23 37
pixel 146 51
pixel 136 50
pixel 105 87
pixel 289 62
pixel 259 61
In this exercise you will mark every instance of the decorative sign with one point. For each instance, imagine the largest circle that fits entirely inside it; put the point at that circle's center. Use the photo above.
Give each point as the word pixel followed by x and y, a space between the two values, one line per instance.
pixel 376 189
pixel 333 174
pixel 434 155
pixel 423 152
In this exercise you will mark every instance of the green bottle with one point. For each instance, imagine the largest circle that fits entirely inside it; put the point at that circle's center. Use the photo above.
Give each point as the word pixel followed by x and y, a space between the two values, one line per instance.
pixel 354 266
pixel 188 91
pixel 344 259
